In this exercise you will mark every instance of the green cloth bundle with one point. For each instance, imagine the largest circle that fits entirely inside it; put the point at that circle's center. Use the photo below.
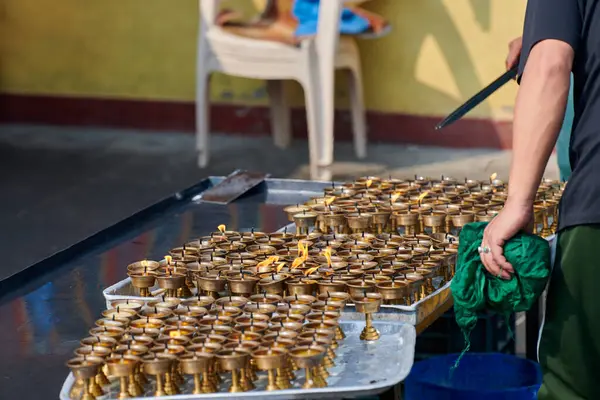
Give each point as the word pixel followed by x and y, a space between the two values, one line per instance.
pixel 475 290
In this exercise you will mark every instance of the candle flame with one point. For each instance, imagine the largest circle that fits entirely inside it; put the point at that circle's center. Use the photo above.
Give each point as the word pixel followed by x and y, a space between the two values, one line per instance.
pixel 174 334
pixel 168 259
pixel 369 182
pixel 300 248
pixel 493 176
pixel 327 254
pixel 280 266
pixel 310 270
pixel 395 197
pixel 329 200
pixel 422 196
pixel 144 263
pixel 222 228
pixel 268 261
pixel 305 253
pixel 297 262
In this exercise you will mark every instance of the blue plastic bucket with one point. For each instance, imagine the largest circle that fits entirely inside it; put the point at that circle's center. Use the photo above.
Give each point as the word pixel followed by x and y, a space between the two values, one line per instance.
pixel 487 376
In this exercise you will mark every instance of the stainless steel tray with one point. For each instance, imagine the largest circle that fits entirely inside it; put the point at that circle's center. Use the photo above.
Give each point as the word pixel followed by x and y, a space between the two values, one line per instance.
pixel 362 369
pixel 413 315
pixel 416 314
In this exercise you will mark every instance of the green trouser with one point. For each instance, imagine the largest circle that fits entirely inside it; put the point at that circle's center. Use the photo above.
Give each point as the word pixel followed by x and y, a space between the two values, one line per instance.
pixel 570 344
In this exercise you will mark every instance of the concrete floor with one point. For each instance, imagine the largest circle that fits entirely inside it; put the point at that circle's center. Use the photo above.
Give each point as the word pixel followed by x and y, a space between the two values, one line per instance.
pixel 62 184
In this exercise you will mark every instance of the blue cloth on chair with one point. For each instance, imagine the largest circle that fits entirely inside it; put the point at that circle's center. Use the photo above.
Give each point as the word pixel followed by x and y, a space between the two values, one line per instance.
pixel 307 14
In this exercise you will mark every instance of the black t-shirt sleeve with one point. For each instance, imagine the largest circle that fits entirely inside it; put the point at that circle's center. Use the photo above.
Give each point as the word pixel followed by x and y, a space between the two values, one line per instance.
pixel 550 19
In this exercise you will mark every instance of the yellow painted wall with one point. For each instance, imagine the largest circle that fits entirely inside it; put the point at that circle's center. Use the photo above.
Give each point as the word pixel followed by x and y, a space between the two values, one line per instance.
pixel 438 54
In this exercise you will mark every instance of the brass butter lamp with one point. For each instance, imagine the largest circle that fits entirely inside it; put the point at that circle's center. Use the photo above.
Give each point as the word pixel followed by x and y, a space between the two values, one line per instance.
pixel 368 304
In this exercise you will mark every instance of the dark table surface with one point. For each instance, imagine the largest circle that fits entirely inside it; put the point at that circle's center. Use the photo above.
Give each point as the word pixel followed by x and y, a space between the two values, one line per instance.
pixel 43 315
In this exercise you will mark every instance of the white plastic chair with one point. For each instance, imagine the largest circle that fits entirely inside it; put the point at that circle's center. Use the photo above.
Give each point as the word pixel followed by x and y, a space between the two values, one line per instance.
pixel 313 64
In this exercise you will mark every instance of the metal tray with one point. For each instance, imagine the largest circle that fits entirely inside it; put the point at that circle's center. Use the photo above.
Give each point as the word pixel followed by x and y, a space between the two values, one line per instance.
pixel 358 370
pixel 414 314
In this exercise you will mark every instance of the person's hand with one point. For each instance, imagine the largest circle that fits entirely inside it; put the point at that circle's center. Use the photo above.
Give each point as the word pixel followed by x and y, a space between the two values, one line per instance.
pixel 514 52
pixel 513 218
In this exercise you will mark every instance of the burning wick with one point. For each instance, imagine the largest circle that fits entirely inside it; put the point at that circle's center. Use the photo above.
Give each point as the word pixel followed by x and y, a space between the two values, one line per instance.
pixel 327 254
pixel 280 267
pixel 422 196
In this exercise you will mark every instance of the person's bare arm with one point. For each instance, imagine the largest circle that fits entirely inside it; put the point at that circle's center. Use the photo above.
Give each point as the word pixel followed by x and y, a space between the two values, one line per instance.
pixel 539 113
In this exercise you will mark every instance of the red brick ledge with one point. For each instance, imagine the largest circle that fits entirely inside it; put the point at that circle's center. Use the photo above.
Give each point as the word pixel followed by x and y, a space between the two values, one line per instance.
pixel 179 116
